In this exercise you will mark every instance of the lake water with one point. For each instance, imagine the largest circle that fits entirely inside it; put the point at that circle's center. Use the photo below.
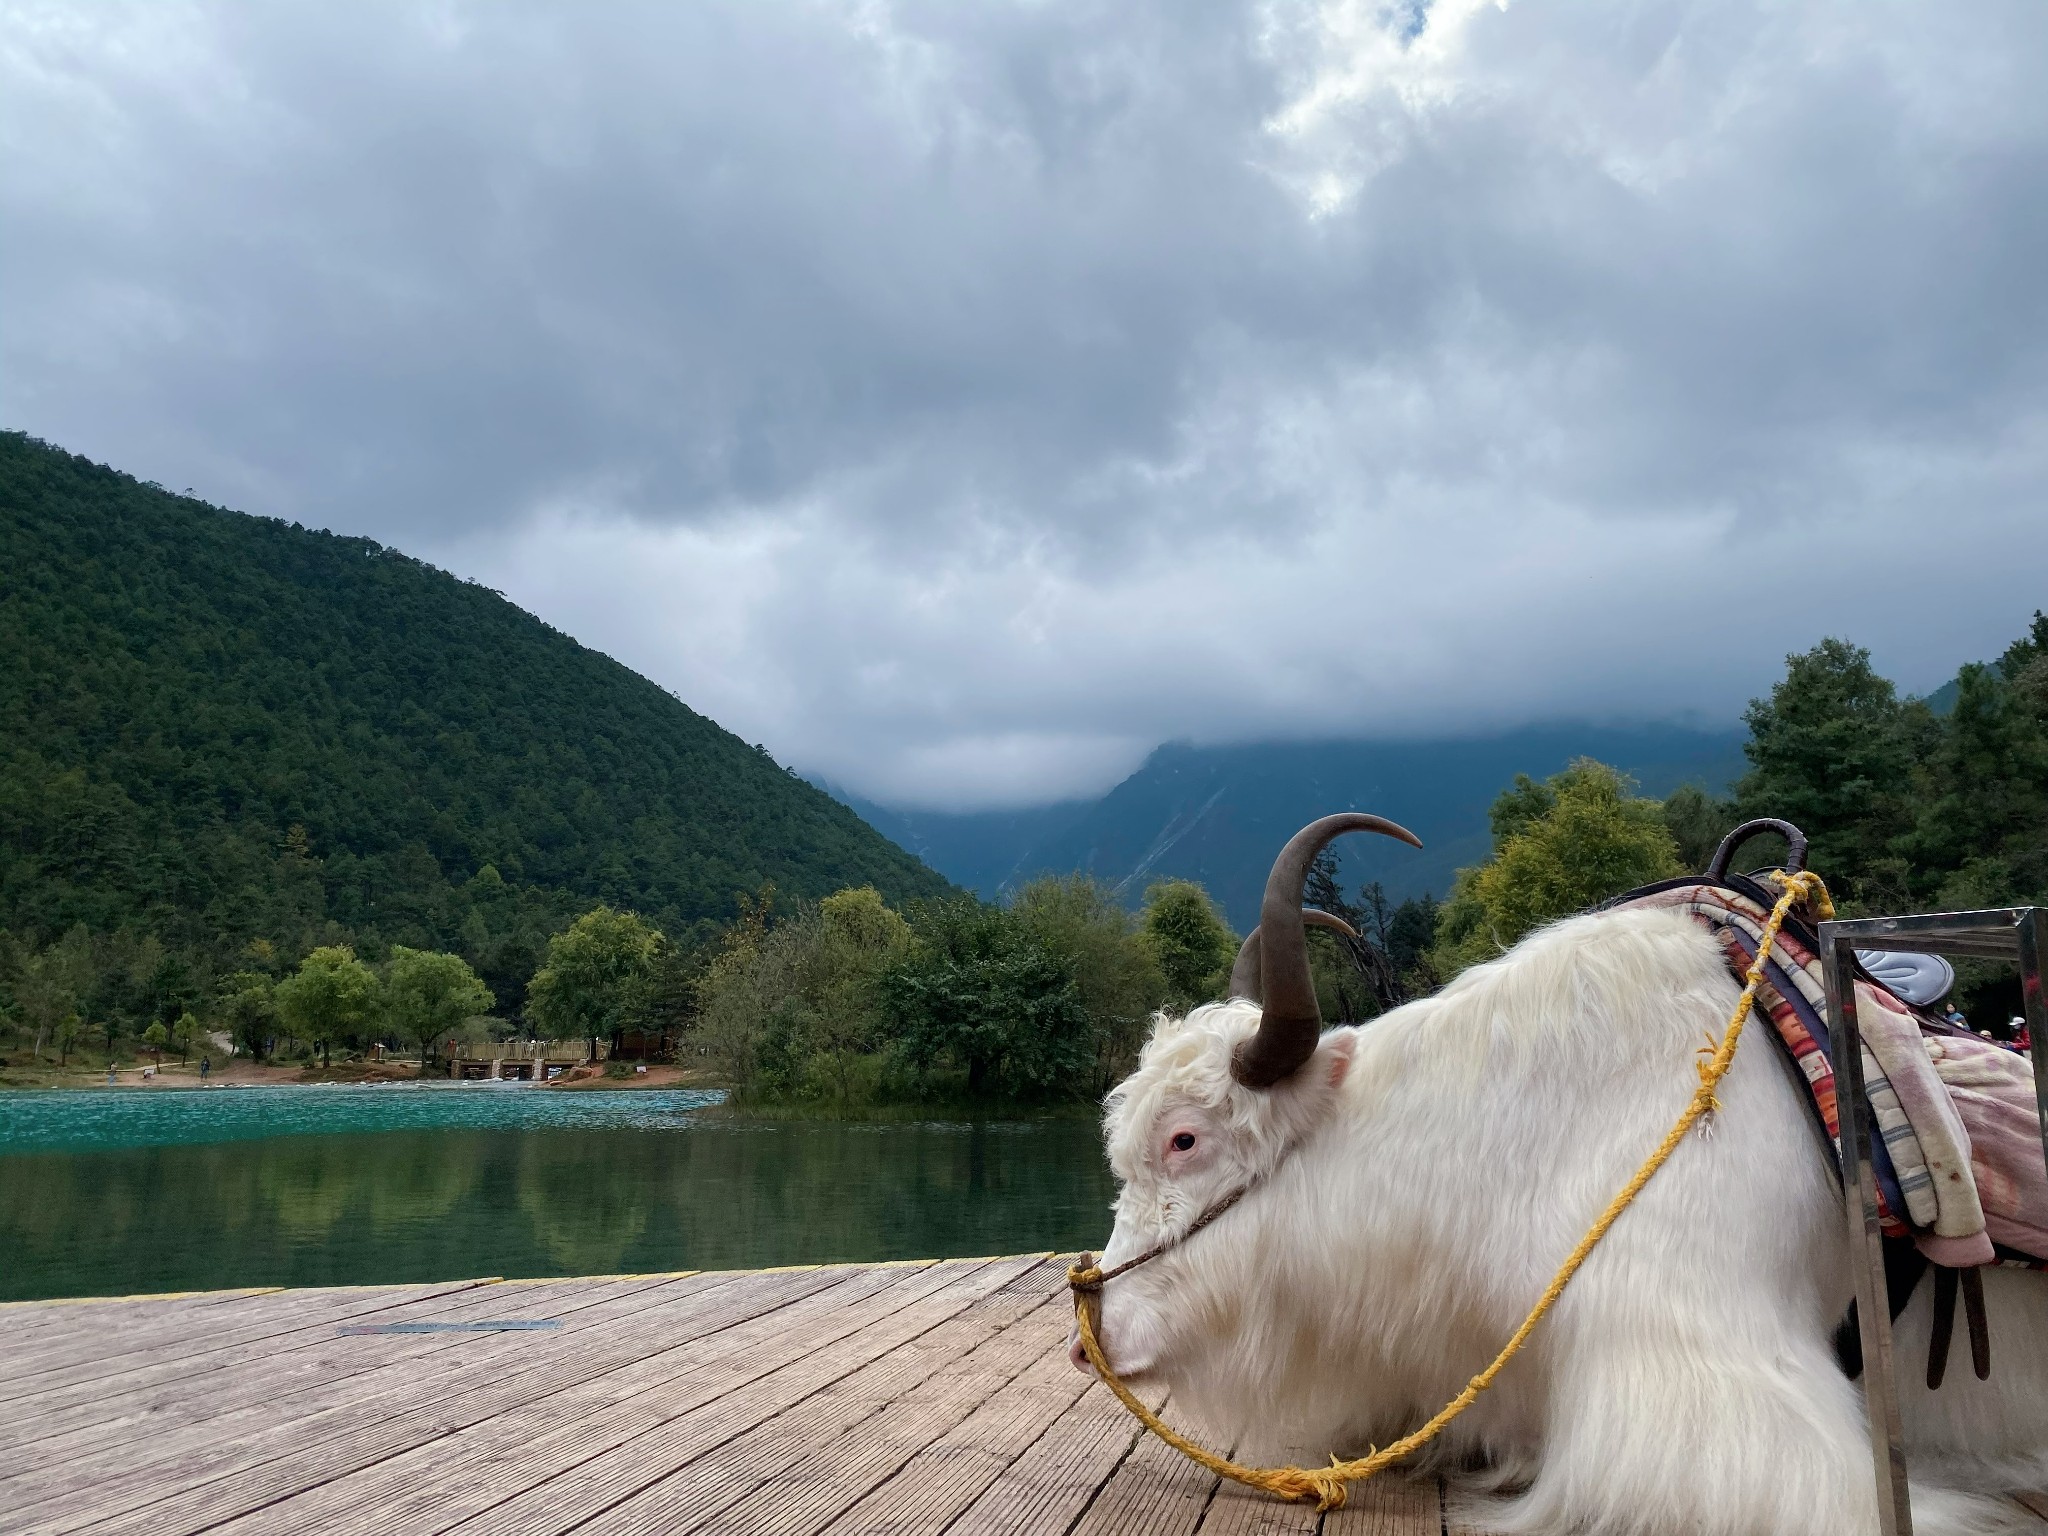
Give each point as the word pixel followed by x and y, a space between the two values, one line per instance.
pixel 124 1191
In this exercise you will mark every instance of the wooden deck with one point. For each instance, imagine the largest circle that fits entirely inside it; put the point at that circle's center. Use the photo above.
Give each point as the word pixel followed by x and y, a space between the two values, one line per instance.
pixel 906 1398
pixel 901 1398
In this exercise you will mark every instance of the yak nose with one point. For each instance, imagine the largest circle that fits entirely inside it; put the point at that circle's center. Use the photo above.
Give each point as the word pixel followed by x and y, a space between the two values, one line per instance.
pixel 1078 1355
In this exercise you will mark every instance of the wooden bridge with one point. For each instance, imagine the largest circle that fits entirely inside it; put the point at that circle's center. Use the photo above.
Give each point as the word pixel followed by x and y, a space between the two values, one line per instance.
pixel 901 1398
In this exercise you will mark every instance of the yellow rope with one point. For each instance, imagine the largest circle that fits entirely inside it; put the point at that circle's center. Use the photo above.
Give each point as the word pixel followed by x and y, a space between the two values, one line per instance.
pixel 1327 1485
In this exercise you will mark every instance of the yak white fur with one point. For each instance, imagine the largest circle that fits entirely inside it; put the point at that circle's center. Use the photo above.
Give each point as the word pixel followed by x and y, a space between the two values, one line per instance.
pixel 1416 1184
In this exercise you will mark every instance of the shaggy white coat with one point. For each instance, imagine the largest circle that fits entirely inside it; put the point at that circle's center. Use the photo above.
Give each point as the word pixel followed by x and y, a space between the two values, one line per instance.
pixel 1418 1182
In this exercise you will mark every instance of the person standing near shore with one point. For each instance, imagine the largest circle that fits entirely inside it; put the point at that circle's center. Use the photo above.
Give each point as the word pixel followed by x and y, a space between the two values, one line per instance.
pixel 205 1066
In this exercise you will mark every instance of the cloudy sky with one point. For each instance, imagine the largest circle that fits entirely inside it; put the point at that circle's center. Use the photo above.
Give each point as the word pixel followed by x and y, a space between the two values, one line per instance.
pixel 963 398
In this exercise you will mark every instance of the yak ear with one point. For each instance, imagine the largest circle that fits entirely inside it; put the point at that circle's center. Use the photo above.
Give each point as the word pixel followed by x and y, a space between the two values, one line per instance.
pixel 1333 1057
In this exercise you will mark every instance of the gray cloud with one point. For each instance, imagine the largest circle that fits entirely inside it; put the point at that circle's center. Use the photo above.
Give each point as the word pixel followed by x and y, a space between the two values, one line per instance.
pixel 961 400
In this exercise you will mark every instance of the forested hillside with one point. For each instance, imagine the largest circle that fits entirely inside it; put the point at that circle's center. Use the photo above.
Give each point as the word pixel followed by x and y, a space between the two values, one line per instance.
pixel 220 731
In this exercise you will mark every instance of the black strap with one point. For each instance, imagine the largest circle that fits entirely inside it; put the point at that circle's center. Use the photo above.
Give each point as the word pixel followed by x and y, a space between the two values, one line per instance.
pixel 1903 1266
pixel 1944 1326
pixel 1980 1326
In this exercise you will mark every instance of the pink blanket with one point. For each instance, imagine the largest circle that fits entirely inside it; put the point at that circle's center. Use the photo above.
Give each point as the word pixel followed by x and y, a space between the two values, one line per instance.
pixel 1993 1089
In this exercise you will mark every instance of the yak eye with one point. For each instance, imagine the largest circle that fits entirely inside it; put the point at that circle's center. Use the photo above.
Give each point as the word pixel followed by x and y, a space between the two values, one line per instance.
pixel 1184 1141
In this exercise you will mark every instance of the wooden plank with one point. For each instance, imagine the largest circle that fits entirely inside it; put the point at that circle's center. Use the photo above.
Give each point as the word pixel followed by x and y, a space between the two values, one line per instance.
pixel 111 1329
pixel 940 1482
pixel 142 1325
pixel 1240 1511
pixel 215 1480
pixel 253 1323
pixel 257 1390
pixel 52 1317
pixel 147 1410
pixel 1156 1491
pixel 397 1405
pixel 289 1359
pixel 1389 1505
pixel 920 1402
pixel 719 1443
pixel 805 1497
pixel 1060 1474
pixel 440 1484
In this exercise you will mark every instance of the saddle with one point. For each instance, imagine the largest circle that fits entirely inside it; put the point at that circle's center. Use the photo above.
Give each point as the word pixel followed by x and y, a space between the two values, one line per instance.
pixel 1956 1147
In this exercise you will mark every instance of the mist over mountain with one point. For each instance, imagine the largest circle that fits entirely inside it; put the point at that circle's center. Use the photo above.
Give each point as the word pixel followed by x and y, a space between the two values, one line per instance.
pixel 1218 814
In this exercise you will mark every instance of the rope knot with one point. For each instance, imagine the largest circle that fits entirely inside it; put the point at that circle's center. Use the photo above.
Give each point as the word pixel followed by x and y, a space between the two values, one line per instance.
pixel 1325 1485
pixel 1811 888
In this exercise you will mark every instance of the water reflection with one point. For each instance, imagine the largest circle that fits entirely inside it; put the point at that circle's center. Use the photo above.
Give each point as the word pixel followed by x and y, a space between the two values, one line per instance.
pixel 405 1205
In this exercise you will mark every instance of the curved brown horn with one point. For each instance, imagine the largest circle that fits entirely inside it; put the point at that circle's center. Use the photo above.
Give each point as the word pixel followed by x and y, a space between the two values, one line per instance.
pixel 1244 974
pixel 1289 1021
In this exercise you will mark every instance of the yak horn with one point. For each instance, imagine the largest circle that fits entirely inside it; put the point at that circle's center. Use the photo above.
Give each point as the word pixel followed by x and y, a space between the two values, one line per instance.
pixel 1289 1021
pixel 1244 975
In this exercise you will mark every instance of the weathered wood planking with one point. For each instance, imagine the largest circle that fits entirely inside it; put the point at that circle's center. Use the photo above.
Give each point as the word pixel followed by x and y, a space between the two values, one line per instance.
pixel 928 1399
pixel 152 1402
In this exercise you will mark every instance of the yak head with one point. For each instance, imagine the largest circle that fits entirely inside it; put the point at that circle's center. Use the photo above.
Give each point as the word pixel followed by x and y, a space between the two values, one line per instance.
pixel 1219 1100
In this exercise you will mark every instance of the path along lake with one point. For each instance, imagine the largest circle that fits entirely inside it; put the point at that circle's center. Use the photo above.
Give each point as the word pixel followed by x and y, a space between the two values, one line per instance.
pixel 112 1192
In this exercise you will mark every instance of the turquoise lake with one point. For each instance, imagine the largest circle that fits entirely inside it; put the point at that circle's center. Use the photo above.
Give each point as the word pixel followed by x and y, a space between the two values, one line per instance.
pixel 113 1192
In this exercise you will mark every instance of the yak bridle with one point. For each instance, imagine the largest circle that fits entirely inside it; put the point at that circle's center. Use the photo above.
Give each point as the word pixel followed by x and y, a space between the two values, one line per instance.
pixel 1084 1279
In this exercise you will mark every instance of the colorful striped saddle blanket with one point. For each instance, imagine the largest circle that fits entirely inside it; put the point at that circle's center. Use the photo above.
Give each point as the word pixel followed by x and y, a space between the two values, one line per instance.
pixel 1958 1153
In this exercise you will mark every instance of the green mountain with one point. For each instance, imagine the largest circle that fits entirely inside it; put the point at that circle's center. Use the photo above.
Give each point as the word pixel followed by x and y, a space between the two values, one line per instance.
pixel 218 729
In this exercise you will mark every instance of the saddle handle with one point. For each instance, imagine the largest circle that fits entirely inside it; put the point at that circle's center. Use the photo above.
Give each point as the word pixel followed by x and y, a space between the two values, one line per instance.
pixel 1795 843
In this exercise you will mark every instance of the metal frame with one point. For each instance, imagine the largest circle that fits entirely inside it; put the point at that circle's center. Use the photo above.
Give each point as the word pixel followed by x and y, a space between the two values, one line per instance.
pixel 2006 933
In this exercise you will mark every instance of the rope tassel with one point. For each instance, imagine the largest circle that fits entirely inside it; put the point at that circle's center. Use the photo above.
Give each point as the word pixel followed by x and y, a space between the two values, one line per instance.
pixel 1328 1486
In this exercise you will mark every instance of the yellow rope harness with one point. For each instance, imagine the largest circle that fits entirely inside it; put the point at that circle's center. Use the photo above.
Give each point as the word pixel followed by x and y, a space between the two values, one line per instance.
pixel 1327 1485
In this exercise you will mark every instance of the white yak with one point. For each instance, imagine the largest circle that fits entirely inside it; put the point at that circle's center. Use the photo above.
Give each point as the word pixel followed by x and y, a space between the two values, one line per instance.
pixel 1410 1188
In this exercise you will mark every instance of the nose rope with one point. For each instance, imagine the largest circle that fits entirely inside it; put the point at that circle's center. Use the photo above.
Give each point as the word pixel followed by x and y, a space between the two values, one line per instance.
pixel 1328 1486
pixel 1086 1277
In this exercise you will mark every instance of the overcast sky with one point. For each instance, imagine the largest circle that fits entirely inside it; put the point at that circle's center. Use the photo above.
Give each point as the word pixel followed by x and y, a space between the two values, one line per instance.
pixel 961 399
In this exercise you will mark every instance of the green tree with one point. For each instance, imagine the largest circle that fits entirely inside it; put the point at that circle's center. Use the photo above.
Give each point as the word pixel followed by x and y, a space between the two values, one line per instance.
pixel 860 923
pixel 859 937
pixel 332 996
pixel 980 993
pixel 426 994
pixel 1985 780
pixel 49 984
pixel 1575 839
pixel 185 1034
pixel 1832 751
pixel 1354 978
pixel 1079 922
pixel 793 1011
pixel 1697 821
pixel 1190 943
pixel 594 977
pixel 66 1032
pixel 246 1009
pixel 156 1037
pixel 1395 938
pixel 1407 937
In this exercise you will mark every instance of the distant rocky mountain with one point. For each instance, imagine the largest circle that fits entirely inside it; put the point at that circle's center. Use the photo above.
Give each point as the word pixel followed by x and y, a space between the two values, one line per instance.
pixel 1218 814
